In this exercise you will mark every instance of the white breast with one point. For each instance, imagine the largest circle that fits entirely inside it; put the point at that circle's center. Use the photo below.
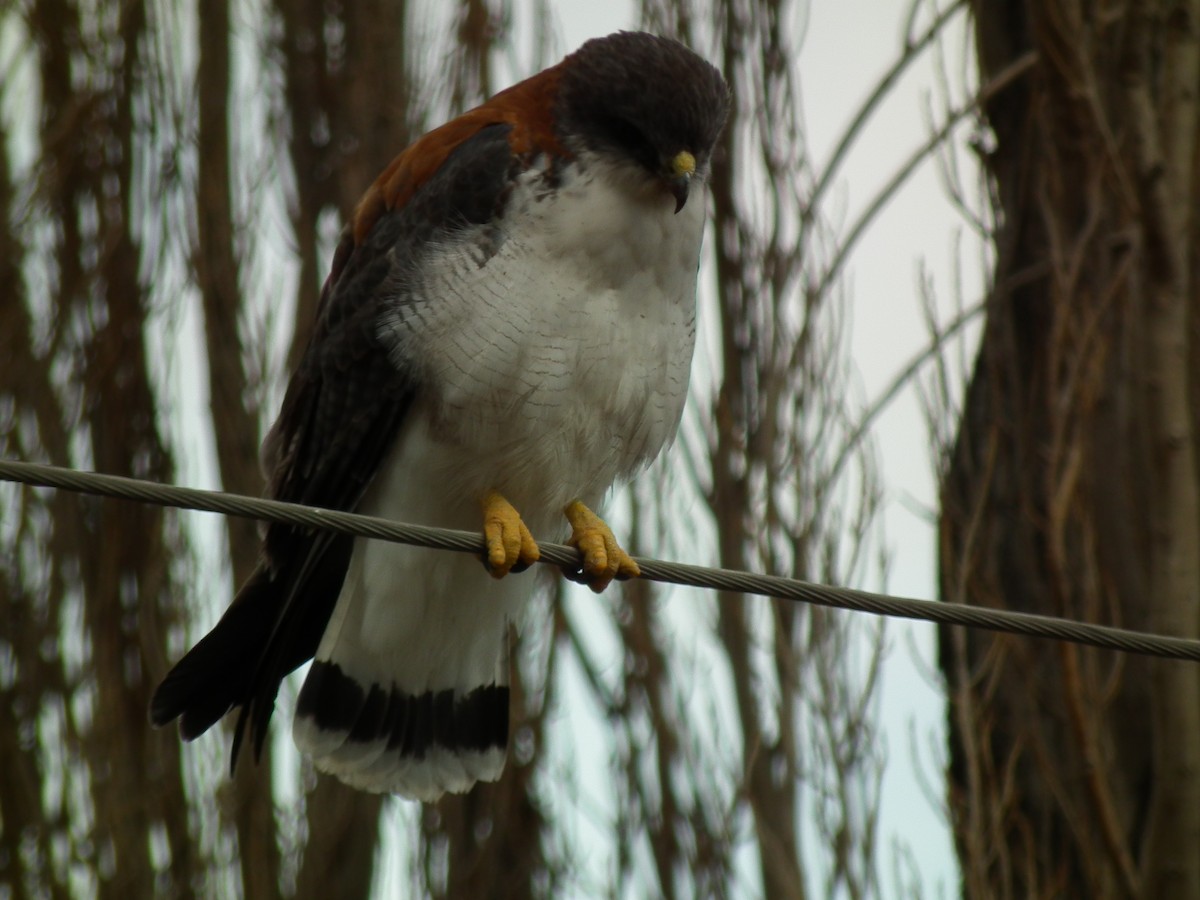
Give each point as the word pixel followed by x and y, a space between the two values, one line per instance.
pixel 561 362
pixel 553 359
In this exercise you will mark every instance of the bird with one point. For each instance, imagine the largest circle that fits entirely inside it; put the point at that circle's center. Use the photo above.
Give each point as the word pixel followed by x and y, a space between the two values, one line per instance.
pixel 506 332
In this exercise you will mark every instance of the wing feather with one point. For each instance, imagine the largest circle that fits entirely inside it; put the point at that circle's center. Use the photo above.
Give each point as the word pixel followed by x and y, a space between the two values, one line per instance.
pixel 343 410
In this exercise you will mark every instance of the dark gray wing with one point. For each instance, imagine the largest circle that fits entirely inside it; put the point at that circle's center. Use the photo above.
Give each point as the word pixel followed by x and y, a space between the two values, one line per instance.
pixel 343 409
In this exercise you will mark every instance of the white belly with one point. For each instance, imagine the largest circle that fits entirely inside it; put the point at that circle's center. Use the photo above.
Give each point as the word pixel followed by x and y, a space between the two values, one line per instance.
pixel 554 368
pixel 561 364
pixel 547 370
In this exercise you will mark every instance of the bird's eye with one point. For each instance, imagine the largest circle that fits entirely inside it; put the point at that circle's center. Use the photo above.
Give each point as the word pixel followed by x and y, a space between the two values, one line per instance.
pixel 632 140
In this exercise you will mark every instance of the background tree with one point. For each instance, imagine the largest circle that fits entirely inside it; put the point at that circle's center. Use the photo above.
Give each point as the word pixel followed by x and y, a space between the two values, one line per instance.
pixel 1072 486
pixel 172 184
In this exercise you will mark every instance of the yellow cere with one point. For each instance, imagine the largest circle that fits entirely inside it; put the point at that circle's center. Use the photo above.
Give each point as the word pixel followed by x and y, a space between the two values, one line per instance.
pixel 683 163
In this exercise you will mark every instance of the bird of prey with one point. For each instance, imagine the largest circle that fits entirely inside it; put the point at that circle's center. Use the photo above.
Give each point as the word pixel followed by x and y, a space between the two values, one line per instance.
pixel 506 331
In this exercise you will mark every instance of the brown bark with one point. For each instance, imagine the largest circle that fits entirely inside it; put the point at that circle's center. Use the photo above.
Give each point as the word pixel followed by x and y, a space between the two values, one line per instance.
pixel 123 559
pixel 28 615
pixel 343 839
pixel 1072 488
pixel 351 109
pixel 373 112
pixel 250 805
pixel 309 94
pixel 84 380
pixel 1161 74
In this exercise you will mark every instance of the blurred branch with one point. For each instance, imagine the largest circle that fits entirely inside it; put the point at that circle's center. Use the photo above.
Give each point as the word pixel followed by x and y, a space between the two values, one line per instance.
pixel 931 352
pixel 845 247
pixel 912 51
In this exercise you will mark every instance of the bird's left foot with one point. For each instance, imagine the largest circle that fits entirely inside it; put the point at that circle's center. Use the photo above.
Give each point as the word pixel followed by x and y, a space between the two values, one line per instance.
pixel 601 557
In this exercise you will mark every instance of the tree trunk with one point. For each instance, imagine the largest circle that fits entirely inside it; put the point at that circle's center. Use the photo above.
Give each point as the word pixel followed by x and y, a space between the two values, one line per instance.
pixel 1072 489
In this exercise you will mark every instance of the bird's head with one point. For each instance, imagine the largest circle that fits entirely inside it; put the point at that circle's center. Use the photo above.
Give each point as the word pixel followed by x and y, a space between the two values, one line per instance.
pixel 639 99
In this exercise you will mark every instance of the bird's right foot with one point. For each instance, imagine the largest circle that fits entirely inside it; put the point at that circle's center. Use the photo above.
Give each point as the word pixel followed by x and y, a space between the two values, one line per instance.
pixel 510 546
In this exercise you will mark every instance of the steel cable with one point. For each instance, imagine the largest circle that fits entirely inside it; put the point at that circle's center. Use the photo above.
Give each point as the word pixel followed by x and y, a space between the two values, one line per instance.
pixel 566 557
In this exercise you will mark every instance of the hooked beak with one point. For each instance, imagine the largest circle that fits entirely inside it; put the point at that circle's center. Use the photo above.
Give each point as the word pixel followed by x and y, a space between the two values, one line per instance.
pixel 679 190
pixel 682 167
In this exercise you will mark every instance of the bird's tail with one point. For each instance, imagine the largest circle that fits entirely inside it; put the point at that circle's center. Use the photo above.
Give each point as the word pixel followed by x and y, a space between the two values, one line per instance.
pixel 409 693
pixel 376 736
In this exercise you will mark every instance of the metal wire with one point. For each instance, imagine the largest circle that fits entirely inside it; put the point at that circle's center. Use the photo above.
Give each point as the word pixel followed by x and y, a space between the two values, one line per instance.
pixel 562 556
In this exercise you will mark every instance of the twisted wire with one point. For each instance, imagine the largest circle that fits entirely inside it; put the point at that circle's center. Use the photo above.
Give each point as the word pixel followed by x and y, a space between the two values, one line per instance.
pixel 726 580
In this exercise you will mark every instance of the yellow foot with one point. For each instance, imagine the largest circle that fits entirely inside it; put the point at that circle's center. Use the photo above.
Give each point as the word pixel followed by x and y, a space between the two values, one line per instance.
pixel 602 558
pixel 510 546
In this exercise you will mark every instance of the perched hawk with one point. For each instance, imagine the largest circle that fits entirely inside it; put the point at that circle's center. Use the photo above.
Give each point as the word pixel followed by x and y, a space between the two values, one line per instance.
pixel 506 330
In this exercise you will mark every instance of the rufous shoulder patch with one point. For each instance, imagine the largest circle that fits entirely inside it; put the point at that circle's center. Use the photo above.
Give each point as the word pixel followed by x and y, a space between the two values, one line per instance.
pixel 526 106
